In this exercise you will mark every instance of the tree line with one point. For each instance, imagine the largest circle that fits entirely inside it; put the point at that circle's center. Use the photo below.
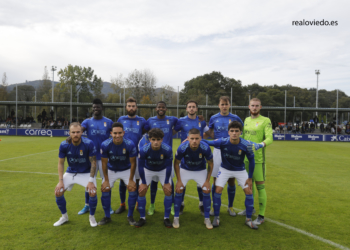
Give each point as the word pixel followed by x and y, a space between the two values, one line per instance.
pixel 141 84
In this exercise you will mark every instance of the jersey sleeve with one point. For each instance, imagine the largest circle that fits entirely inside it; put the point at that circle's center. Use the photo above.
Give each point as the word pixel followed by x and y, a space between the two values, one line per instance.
pixel 178 125
pixel 175 121
pixel 216 143
pixel 132 150
pixel 143 122
pixel 251 160
pixel 147 126
pixel 62 151
pixel 211 123
pixel 104 151
pixel 208 154
pixel 92 149
pixel 169 166
pixel 240 120
pixel 268 132
pixel 179 154
pixel 84 124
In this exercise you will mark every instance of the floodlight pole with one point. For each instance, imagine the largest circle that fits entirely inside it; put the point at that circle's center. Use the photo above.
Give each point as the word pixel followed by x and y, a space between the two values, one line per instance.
pixel 336 117
pixel 53 69
pixel 317 72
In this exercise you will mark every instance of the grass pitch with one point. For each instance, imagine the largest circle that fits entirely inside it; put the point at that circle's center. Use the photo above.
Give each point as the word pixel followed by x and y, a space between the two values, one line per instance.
pixel 306 187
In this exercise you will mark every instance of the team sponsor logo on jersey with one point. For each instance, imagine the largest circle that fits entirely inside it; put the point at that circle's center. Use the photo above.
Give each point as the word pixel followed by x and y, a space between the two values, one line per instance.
pixel 239 152
pixel 199 125
pixel 161 156
pixel 124 151
pixel 167 122
pixel 200 156
pixel 154 124
pixel 81 152
pixel 138 123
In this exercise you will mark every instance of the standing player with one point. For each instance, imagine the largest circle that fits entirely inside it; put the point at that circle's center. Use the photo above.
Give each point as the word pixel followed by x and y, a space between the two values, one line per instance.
pixel 258 129
pixel 119 158
pixel 218 125
pixel 133 127
pixel 81 158
pixel 155 162
pixel 233 150
pixel 185 124
pixel 192 155
pixel 98 129
pixel 166 124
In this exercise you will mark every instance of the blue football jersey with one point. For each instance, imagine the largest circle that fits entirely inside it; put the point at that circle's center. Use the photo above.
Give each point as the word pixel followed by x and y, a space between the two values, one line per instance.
pixel 118 155
pixel 232 155
pixel 193 160
pixel 98 131
pixel 185 124
pixel 155 160
pixel 220 124
pixel 78 156
pixel 133 127
pixel 166 125
pixel 144 140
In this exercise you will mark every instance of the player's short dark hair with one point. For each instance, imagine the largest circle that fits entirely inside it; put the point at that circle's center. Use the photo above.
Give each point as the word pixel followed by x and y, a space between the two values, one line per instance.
pixel 225 99
pixel 163 102
pixel 75 124
pixel 156 133
pixel 117 125
pixel 97 101
pixel 235 124
pixel 193 102
pixel 131 99
pixel 194 131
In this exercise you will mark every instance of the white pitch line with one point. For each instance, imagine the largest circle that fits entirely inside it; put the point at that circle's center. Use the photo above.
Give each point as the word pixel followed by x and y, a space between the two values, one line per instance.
pixel 27 155
pixel 270 220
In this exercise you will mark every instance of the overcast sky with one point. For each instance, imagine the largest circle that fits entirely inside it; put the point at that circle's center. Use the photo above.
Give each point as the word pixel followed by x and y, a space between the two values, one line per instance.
pixel 251 41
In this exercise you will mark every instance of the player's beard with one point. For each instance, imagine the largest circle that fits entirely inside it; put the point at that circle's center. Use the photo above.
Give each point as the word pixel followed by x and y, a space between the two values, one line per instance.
pixel 131 112
pixel 158 113
pixel 255 113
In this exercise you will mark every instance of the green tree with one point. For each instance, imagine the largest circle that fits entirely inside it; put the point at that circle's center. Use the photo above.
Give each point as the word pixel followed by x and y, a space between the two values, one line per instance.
pixel 83 81
pixel 3 88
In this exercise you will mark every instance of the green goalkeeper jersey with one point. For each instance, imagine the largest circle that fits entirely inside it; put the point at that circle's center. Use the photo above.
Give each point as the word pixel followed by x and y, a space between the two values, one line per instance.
pixel 258 130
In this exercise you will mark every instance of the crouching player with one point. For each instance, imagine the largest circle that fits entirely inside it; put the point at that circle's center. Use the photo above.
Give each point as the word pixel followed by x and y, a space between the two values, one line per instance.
pixel 155 161
pixel 118 156
pixel 81 158
pixel 192 155
pixel 233 150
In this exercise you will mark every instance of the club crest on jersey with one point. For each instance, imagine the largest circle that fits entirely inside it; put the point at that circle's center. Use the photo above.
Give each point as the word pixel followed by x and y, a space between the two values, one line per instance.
pixel 239 152
pixel 200 156
pixel 257 124
pixel 81 152
pixel 199 124
pixel 229 120
pixel 124 151
pixel 105 124
pixel 167 122
pixel 138 123
pixel 101 151
pixel 161 156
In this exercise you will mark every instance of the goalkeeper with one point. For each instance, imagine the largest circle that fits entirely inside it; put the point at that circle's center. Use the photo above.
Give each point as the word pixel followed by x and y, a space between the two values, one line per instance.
pixel 258 129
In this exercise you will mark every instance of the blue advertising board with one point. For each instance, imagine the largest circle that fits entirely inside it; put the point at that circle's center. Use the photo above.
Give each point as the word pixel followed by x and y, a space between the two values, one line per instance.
pixel 276 137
